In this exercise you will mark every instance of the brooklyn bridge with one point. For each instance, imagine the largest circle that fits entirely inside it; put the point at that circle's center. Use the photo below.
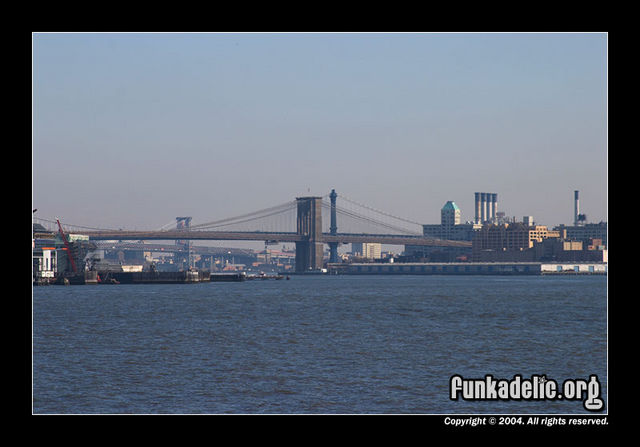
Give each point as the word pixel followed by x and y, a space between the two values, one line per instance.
pixel 299 221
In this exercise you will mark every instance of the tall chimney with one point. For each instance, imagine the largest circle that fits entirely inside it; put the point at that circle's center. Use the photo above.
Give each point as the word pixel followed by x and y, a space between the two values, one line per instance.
pixel 478 209
pixel 576 207
pixel 494 206
pixel 483 209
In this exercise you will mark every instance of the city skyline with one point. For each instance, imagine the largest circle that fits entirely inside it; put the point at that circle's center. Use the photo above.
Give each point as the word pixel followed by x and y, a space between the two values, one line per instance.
pixel 131 130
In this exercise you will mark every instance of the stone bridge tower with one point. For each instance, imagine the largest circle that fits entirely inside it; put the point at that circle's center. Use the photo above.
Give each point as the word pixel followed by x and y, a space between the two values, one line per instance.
pixel 309 252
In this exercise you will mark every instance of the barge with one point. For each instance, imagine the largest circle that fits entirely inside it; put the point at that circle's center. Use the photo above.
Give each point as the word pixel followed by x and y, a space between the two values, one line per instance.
pixel 228 277
pixel 155 277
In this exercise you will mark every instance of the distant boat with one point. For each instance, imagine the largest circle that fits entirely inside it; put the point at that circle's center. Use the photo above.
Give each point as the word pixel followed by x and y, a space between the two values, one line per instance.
pixel 228 277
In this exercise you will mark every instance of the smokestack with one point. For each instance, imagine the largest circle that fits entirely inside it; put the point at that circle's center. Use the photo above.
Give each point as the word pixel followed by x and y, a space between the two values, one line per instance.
pixel 576 207
pixel 478 209
pixel 490 214
pixel 494 206
pixel 483 207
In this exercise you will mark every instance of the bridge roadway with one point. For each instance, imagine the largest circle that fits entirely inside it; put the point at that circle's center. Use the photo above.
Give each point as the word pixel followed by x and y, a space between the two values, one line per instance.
pixel 344 238
pixel 172 248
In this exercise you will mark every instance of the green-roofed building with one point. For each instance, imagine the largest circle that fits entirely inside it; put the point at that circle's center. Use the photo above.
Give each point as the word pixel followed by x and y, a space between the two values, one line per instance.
pixel 450 228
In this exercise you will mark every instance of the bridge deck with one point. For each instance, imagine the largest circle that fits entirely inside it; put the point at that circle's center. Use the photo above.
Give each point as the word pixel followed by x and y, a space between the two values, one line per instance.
pixel 345 238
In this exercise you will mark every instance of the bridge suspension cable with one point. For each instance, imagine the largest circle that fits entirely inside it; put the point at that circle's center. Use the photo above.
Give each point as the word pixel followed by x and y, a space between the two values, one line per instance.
pixel 343 197
pixel 168 226
pixel 249 217
pixel 360 219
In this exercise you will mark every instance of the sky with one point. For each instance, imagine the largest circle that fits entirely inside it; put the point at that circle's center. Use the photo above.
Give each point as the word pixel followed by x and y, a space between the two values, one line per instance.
pixel 131 130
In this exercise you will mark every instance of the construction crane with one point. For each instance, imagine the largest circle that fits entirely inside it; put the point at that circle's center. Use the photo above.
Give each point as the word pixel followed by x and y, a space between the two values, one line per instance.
pixel 66 244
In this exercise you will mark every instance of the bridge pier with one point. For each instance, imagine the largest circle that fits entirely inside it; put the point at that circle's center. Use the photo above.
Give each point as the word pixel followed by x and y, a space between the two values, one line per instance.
pixel 309 252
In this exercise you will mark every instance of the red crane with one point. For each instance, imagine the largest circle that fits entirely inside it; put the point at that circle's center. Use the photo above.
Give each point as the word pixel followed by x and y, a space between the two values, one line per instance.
pixel 66 244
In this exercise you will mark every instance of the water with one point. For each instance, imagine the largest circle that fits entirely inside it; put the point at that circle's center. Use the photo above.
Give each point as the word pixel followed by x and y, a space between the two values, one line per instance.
pixel 317 344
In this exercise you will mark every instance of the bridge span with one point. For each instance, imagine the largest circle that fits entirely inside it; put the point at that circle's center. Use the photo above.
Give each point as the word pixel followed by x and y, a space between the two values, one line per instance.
pixel 328 238
pixel 308 237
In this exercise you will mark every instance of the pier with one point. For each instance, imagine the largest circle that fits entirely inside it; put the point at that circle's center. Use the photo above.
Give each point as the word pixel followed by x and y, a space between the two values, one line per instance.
pixel 469 268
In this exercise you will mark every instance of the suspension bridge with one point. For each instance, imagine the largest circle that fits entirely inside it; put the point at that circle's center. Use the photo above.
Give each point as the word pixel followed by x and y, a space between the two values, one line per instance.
pixel 298 221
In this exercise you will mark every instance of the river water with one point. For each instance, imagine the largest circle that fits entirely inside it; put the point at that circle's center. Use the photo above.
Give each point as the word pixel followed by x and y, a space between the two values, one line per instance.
pixel 314 344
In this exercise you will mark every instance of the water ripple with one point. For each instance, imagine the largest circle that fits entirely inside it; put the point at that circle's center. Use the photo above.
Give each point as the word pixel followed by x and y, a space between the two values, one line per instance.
pixel 374 344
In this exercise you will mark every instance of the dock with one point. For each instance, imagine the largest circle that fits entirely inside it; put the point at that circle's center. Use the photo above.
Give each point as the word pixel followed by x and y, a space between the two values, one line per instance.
pixel 469 268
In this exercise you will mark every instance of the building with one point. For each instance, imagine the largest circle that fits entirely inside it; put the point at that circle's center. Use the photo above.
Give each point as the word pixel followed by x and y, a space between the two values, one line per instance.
pixel 518 242
pixel 515 236
pixel 44 253
pixel 561 250
pixel 450 215
pixel 584 232
pixel 50 254
pixel 450 228
pixel 507 239
pixel 367 250
pixel 45 261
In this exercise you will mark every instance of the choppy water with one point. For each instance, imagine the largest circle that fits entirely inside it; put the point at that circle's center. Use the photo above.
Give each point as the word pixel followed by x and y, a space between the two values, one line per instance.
pixel 339 344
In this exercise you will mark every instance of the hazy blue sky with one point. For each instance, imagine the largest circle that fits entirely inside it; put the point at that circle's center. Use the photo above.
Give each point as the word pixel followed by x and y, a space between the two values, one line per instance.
pixel 131 130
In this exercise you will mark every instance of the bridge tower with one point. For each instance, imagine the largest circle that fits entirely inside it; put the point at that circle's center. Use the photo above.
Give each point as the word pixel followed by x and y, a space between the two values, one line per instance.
pixel 333 229
pixel 309 225
pixel 184 223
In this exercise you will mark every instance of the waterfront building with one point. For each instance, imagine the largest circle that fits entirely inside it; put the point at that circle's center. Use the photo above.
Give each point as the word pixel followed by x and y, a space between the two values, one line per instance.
pixel 44 253
pixel 45 261
pixel 518 242
pixel 552 249
pixel 515 236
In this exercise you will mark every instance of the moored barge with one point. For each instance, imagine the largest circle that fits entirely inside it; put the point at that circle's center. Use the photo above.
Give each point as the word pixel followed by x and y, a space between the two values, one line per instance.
pixel 155 277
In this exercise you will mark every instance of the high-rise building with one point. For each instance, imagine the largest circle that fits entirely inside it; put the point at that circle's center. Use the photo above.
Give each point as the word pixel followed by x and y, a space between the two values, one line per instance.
pixel 450 214
pixel 450 228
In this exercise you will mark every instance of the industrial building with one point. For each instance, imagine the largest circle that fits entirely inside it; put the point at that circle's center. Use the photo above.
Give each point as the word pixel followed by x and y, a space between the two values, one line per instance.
pixel 522 243
pixel 507 241
pixel 584 232
pixel 581 230
pixel 515 236
pixel 498 239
